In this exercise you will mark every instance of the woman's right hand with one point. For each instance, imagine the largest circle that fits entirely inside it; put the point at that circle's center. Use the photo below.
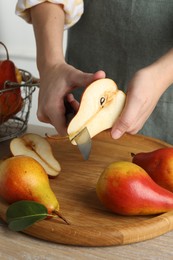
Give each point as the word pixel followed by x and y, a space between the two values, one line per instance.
pixel 56 84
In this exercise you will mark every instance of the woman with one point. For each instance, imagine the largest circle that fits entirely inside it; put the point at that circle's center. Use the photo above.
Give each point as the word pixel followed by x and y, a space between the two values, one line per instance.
pixel 128 41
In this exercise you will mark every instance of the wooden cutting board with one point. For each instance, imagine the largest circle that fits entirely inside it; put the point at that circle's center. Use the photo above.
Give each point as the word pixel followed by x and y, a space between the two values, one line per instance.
pixel 90 223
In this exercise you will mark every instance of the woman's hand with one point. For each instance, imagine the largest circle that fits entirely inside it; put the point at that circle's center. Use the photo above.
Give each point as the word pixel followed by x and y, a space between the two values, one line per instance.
pixel 144 91
pixel 56 84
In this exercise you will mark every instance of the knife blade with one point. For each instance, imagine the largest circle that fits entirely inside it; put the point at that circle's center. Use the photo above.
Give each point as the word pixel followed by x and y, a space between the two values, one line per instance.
pixel 82 139
pixel 84 143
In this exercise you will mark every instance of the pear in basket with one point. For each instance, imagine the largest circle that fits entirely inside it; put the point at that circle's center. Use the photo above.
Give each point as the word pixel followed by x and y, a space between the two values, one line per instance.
pixel 10 101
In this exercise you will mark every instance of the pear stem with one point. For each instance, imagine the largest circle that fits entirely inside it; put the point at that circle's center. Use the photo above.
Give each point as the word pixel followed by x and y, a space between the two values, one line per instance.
pixel 5 50
pixel 57 137
pixel 133 154
pixel 61 216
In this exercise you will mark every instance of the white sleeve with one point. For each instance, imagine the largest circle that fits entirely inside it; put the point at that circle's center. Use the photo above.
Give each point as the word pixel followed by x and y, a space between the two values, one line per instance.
pixel 73 9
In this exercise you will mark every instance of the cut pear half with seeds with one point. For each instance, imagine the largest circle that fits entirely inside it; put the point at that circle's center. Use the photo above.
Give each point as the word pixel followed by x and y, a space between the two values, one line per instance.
pixel 37 147
pixel 101 105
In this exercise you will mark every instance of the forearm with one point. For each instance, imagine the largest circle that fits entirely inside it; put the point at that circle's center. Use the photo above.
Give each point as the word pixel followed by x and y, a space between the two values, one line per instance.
pixel 163 70
pixel 48 23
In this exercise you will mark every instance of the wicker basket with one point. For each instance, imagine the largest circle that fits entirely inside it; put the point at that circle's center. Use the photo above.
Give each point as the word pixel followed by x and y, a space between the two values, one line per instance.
pixel 17 123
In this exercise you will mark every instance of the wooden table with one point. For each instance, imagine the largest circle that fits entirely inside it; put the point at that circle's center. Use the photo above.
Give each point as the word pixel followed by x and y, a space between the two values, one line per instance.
pixel 15 245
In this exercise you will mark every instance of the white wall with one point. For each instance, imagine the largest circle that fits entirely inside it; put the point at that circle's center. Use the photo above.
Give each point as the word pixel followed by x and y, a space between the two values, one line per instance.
pixel 18 36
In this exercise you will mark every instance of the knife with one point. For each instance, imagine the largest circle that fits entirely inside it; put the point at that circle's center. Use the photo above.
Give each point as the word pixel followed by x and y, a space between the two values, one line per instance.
pixel 69 111
pixel 82 139
pixel 84 143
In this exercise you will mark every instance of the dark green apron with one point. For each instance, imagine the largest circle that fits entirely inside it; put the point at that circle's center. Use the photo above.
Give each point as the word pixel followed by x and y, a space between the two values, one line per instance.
pixel 120 37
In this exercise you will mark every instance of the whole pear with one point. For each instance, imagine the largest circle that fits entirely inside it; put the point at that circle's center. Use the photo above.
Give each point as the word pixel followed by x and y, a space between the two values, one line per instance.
pixel 126 188
pixel 158 164
pixel 10 101
pixel 23 178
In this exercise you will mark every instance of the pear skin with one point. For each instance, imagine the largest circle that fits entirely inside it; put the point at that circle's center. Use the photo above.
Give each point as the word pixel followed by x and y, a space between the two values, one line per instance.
pixel 23 178
pixel 10 101
pixel 158 164
pixel 125 188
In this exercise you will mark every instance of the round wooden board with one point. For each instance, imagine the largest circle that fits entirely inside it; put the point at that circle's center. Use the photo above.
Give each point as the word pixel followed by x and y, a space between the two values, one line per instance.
pixel 90 223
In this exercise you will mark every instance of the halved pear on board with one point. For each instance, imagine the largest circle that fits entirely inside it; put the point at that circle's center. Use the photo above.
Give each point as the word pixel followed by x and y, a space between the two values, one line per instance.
pixel 101 105
pixel 37 147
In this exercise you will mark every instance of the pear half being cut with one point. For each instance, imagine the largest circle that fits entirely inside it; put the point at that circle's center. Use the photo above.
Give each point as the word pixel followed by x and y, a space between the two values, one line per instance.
pixel 101 104
pixel 38 148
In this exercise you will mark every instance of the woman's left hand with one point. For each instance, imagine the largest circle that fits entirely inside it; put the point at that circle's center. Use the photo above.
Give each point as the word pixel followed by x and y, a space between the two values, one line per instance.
pixel 143 93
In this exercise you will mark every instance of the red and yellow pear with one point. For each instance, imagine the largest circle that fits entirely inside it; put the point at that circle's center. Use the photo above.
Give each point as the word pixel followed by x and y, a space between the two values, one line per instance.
pixel 10 101
pixel 158 164
pixel 126 188
pixel 23 178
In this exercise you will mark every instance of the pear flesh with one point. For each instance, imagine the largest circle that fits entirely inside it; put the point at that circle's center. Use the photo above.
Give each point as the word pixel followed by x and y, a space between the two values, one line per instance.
pixel 37 147
pixel 101 105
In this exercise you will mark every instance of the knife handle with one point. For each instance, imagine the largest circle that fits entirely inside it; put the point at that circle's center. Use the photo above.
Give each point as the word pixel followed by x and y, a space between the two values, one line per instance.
pixel 69 111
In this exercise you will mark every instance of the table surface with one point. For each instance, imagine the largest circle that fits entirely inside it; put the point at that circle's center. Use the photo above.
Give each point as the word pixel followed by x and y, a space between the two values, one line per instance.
pixel 16 245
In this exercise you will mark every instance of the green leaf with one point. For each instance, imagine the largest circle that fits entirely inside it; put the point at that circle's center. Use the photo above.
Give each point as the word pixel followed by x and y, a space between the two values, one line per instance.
pixel 24 213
